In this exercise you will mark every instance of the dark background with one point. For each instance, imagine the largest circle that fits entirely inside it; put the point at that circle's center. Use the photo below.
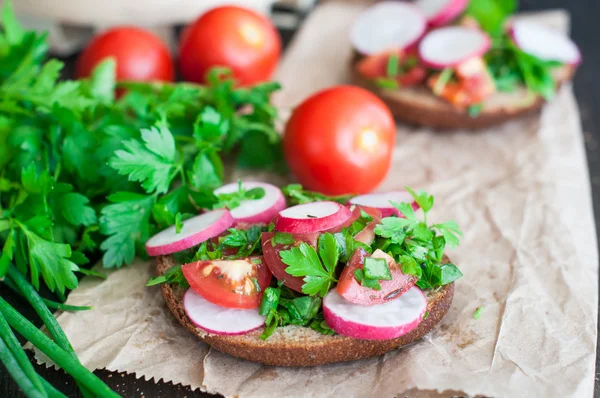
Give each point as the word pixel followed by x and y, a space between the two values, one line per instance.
pixel 585 17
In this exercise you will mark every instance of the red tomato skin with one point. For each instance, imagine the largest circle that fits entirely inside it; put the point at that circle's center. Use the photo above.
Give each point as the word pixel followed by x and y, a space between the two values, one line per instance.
pixel 140 55
pixel 220 38
pixel 273 260
pixel 350 289
pixel 214 289
pixel 340 141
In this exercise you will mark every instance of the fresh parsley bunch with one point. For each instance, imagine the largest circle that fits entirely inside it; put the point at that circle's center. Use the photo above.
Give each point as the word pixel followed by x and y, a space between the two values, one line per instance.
pixel 82 171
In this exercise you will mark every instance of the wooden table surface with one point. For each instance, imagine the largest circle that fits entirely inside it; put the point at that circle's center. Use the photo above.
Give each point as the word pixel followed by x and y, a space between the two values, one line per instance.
pixel 585 21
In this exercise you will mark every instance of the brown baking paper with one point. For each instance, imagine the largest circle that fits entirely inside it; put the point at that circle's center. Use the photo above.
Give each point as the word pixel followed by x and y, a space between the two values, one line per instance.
pixel 520 193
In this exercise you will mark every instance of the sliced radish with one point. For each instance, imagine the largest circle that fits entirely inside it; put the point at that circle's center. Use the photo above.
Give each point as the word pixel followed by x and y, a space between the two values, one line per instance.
pixel 450 46
pixel 220 320
pixel 439 12
pixel 376 322
pixel 544 43
pixel 195 231
pixel 387 25
pixel 259 211
pixel 382 202
pixel 312 217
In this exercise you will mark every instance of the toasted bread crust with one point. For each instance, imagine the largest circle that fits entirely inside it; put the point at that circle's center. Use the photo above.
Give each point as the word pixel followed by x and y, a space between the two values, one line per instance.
pixel 301 346
pixel 418 106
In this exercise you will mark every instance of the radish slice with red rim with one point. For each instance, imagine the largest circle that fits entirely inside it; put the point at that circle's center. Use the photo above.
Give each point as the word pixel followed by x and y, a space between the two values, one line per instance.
pixel 194 231
pixel 387 25
pixel 311 217
pixel 453 45
pixel 382 202
pixel 375 322
pixel 220 320
pixel 440 12
pixel 257 211
pixel 544 43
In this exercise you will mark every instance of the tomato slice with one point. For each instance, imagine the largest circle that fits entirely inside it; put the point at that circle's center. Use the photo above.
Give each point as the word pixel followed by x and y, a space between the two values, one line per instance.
pixel 229 283
pixel 350 289
pixel 273 259
pixel 375 66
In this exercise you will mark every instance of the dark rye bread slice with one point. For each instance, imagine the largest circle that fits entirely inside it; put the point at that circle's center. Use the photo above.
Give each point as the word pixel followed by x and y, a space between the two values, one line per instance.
pixel 418 106
pixel 301 346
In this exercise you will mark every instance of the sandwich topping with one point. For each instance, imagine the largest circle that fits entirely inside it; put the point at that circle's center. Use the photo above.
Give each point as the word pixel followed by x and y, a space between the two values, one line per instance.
pixel 323 263
pixel 471 51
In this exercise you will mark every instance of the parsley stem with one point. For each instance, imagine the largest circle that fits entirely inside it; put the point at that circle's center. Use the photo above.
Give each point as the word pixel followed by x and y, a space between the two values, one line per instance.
pixel 61 357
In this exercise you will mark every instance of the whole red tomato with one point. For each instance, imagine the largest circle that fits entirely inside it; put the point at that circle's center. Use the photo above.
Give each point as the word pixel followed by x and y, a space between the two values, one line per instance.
pixel 140 55
pixel 233 37
pixel 340 141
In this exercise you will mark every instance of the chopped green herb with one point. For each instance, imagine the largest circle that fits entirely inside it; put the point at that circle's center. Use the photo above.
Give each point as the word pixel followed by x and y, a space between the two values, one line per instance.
pixel 270 300
pixel 178 223
pixel 442 80
pixel 384 82
pixel 173 275
pixel 477 313
pixel 247 241
pixel 491 14
pixel 377 269
pixel 234 199
pixel 393 65
pixel 474 110
pixel 359 274
pixel 296 195
pixel 426 315
pixel 360 223
pixel 256 285
pixel 283 238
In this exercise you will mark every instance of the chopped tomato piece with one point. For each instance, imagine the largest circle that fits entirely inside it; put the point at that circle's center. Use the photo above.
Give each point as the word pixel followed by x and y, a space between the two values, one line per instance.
pixel 229 283
pixel 350 289
pixel 375 66
pixel 271 251
pixel 474 84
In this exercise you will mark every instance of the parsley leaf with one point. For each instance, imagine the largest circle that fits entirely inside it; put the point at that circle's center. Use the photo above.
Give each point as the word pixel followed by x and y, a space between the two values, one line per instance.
pixel 416 245
pixel 477 313
pixel 282 238
pixel 234 199
pixel 178 223
pixel 423 199
pixel 450 231
pixel 491 14
pixel 52 260
pixel 377 268
pixel 125 221
pixel 318 270
pixel 151 162
pixel 296 195
pixel 359 274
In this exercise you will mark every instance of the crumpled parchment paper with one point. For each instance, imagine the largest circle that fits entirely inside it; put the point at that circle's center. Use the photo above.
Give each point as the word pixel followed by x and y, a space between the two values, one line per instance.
pixel 520 193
